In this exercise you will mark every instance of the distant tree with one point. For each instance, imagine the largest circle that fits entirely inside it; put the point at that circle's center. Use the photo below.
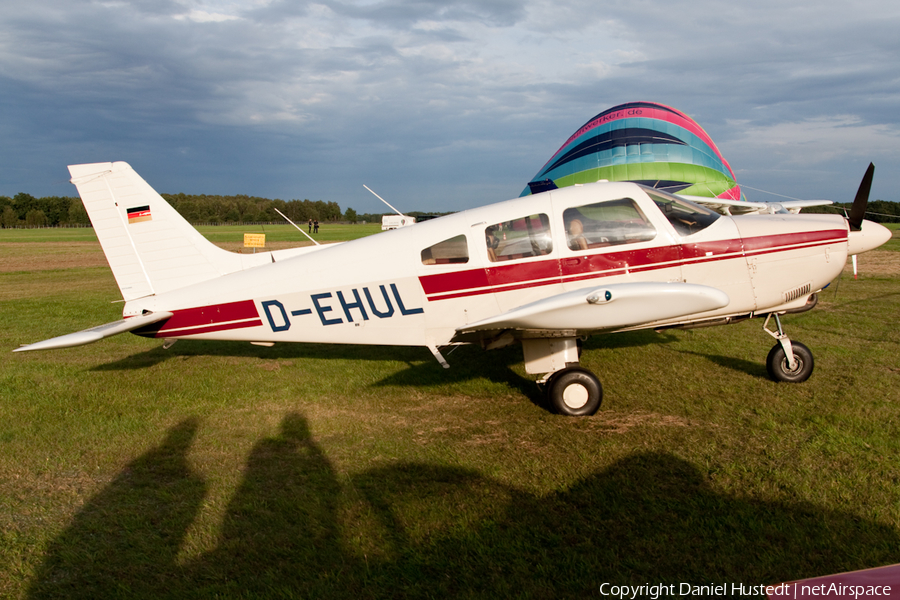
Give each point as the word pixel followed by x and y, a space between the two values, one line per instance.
pixel 35 218
pixel 370 217
pixel 77 215
pixel 23 203
pixel 9 218
pixel 56 208
pixel 350 215
pixel 333 211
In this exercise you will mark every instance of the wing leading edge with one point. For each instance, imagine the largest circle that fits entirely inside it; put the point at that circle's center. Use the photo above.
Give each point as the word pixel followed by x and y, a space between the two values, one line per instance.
pixel 743 207
pixel 607 307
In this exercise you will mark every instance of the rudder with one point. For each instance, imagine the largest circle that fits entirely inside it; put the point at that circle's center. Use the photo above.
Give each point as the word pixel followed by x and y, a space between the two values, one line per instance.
pixel 150 248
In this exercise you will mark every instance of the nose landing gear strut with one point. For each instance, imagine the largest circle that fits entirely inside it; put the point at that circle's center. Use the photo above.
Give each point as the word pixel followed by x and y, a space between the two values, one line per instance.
pixel 788 361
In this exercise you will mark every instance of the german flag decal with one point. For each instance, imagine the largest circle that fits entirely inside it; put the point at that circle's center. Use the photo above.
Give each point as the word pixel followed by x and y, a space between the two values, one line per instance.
pixel 138 214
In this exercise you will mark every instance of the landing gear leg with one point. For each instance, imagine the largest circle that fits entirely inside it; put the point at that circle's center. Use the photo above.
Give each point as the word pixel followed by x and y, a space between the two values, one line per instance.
pixel 788 361
pixel 570 389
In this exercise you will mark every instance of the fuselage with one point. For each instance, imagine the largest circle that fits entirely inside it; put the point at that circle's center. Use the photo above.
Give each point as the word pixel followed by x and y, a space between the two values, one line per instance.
pixel 418 285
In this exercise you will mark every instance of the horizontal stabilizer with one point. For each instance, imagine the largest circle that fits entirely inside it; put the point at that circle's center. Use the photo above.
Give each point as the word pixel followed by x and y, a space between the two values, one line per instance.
pixel 94 334
pixel 611 306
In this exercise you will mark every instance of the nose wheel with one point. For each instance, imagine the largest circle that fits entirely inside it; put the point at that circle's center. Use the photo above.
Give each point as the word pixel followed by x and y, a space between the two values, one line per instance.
pixel 788 361
pixel 779 368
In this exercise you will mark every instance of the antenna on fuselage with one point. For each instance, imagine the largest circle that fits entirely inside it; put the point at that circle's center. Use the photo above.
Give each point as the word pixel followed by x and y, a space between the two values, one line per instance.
pixel 298 229
pixel 385 201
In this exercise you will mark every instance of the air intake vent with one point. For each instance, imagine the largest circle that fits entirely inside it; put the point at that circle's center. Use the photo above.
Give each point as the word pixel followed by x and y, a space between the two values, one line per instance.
pixel 791 295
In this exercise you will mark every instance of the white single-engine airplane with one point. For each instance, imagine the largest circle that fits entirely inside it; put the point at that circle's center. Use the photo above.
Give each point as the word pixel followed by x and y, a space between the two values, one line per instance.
pixel 544 270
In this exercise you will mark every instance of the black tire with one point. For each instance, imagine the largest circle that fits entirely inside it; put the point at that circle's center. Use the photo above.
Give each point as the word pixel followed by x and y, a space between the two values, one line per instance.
pixel 777 363
pixel 574 392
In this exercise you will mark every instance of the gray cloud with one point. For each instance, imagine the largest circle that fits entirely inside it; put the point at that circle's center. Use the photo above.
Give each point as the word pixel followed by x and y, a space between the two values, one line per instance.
pixel 447 105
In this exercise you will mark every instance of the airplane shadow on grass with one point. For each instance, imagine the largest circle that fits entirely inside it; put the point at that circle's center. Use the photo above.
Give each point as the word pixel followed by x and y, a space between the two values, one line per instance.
pixel 409 354
pixel 419 530
pixel 467 362
pixel 755 369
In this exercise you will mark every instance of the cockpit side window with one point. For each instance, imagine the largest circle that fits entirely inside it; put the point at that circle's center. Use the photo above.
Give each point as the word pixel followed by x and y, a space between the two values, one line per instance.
pixel 606 224
pixel 519 238
pixel 686 217
pixel 451 251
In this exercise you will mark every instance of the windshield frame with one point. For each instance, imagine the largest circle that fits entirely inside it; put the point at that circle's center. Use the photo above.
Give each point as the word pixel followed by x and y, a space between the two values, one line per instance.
pixel 686 217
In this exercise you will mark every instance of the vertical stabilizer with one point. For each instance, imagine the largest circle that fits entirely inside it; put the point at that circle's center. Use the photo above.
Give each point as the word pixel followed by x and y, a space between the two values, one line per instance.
pixel 149 246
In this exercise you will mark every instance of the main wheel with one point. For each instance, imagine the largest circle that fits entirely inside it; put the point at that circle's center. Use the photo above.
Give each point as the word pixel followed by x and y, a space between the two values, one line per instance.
pixel 575 392
pixel 779 369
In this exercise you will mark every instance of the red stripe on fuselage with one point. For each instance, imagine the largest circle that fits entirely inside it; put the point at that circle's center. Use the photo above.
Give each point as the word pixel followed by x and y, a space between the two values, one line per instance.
pixel 502 275
pixel 766 243
pixel 205 319
pixel 457 280
pixel 503 278
pixel 209 328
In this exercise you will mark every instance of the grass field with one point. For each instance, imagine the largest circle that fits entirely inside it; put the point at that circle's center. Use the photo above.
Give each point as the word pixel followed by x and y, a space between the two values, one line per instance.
pixel 218 469
pixel 222 234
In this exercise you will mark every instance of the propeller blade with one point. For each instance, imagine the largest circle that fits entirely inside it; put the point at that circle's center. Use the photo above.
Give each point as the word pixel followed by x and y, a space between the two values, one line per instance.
pixel 858 210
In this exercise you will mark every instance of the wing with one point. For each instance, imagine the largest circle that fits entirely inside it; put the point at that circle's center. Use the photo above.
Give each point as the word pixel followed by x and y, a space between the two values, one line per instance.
pixel 608 307
pixel 728 207
pixel 795 206
pixel 741 207
pixel 94 334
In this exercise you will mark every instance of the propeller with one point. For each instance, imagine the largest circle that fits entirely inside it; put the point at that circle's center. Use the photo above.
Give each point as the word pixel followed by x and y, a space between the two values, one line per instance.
pixel 858 210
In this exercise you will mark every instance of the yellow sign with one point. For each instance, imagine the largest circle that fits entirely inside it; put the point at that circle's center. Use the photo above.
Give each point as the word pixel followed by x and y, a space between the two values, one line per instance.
pixel 254 240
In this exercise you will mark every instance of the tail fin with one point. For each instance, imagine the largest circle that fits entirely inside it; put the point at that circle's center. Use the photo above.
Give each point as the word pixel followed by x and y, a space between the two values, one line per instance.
pixel 149 246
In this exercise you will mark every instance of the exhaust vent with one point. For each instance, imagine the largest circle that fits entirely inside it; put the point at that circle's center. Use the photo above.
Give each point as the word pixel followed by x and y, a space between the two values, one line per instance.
pixel 791 295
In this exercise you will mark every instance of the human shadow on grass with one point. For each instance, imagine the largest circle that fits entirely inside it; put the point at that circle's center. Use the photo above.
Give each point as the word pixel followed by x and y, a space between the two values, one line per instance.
pixel 125 540
pixel 411 530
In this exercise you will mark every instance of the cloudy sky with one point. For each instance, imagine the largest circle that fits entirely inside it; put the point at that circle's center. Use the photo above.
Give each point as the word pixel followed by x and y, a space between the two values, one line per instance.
pixel 437 105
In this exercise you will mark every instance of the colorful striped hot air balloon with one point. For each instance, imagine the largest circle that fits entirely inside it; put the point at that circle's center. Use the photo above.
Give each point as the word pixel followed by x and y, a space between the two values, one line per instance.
pixel 644 142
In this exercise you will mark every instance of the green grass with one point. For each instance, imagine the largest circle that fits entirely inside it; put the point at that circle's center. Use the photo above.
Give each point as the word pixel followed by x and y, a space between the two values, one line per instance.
pixel 49 234
pixel 328 232
pixel 894 243
pixel 321 471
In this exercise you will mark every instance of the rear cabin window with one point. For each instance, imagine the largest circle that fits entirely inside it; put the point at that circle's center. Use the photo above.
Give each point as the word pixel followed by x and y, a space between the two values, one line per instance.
pixel 519 238
pixel 606 224
pixel 452 251
pixel 686 217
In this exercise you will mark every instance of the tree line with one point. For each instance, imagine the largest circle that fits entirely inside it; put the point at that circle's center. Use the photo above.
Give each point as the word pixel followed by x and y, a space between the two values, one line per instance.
pixel 879 211
pixel 24 210
pixel 419 215
pixel 203 208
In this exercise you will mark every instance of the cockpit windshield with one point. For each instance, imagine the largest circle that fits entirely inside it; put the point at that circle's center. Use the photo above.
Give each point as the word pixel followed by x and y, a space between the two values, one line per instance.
pixel 686 217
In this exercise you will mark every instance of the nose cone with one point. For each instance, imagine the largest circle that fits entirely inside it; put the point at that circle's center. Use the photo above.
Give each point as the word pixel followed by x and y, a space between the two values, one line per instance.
pixel 870 236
